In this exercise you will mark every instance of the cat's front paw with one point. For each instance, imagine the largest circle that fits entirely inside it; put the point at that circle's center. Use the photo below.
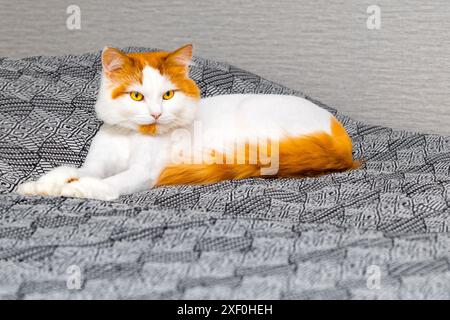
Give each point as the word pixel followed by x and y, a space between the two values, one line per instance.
pixel 49 184
pixel 91 188
pixel 29 188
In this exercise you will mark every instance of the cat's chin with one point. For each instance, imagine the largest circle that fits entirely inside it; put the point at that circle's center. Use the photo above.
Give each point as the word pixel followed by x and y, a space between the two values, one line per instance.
pixel 162 129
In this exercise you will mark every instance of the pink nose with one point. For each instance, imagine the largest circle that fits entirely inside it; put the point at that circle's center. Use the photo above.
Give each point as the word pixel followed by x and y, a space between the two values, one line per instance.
pixel 155 115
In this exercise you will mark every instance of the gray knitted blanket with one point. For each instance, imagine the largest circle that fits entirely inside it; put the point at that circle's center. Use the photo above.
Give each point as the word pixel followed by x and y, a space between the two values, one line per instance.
pixel 379 232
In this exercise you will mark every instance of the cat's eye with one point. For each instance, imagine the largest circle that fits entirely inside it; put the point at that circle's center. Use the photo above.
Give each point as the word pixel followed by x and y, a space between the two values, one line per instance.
pixel 168 95
pixel 136 96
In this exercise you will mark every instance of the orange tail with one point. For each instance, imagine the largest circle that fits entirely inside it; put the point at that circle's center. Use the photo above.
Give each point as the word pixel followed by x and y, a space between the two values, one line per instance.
pixel 304 156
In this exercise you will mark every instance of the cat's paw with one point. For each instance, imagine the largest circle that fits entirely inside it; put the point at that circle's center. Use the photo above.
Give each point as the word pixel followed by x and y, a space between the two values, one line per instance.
pixel 37 188
pixel 49 184
pixel 92 188
pixel 28 188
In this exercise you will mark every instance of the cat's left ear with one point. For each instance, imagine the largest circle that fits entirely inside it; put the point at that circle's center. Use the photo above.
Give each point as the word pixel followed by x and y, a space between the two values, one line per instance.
pixel 181 57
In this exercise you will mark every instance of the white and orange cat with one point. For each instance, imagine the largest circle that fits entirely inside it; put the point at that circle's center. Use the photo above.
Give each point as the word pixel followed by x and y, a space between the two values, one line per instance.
pixel 145 98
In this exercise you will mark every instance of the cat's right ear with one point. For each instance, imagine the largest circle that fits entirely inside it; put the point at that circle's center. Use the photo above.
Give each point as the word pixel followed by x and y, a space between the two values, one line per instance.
pixel 113 59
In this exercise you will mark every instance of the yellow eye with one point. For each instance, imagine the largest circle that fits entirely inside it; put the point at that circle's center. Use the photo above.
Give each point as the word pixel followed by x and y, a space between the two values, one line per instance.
pixel 168 95
pixel 136 96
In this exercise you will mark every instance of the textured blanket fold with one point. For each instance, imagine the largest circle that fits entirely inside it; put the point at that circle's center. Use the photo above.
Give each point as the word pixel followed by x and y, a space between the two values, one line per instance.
pixel 381 231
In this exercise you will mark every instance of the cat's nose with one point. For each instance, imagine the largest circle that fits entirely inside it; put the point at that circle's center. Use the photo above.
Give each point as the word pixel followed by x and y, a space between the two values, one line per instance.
pixel 155 115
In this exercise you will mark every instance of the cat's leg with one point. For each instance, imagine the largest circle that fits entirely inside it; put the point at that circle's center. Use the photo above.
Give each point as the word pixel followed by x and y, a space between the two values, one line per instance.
pixel 136 178
pixel 91 188
pixel 51 183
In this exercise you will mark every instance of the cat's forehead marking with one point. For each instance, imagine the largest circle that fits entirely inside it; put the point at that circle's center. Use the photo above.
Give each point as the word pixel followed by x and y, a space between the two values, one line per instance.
pixel 151 76
pixel 152 79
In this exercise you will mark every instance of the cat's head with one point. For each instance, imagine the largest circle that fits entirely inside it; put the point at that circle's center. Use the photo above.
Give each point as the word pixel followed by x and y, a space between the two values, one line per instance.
pixel 149 92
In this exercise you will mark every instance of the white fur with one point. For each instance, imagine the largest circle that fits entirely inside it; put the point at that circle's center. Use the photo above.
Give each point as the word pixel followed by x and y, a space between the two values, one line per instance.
pixel 122 161
pixel 229 118
pixel 88 187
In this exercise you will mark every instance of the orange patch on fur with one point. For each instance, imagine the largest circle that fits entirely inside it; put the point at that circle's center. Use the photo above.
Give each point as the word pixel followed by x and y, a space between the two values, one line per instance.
pixel 118 91
pixel 149 129
pixel 70 180
pixel 304 156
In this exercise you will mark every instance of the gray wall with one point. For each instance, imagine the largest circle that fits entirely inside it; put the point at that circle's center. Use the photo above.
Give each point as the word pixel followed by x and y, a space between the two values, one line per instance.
pixel 397 76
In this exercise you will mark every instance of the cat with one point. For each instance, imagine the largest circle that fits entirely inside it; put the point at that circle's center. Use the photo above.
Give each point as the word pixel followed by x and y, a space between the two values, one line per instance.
pixel 146 99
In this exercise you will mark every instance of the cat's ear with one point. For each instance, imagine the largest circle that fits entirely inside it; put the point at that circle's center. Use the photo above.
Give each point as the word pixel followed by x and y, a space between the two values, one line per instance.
pixel 181 57
pixel 113 59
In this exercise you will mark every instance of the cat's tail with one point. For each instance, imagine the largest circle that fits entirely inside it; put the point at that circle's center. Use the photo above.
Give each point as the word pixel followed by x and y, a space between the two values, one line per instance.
pixel 317 154
pixel 304 156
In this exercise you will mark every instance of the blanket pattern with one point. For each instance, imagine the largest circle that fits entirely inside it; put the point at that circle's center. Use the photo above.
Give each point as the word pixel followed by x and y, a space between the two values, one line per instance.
pixel 379 232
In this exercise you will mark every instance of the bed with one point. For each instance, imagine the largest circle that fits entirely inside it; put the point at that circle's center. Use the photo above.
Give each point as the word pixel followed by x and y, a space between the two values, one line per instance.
pixel 379 232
